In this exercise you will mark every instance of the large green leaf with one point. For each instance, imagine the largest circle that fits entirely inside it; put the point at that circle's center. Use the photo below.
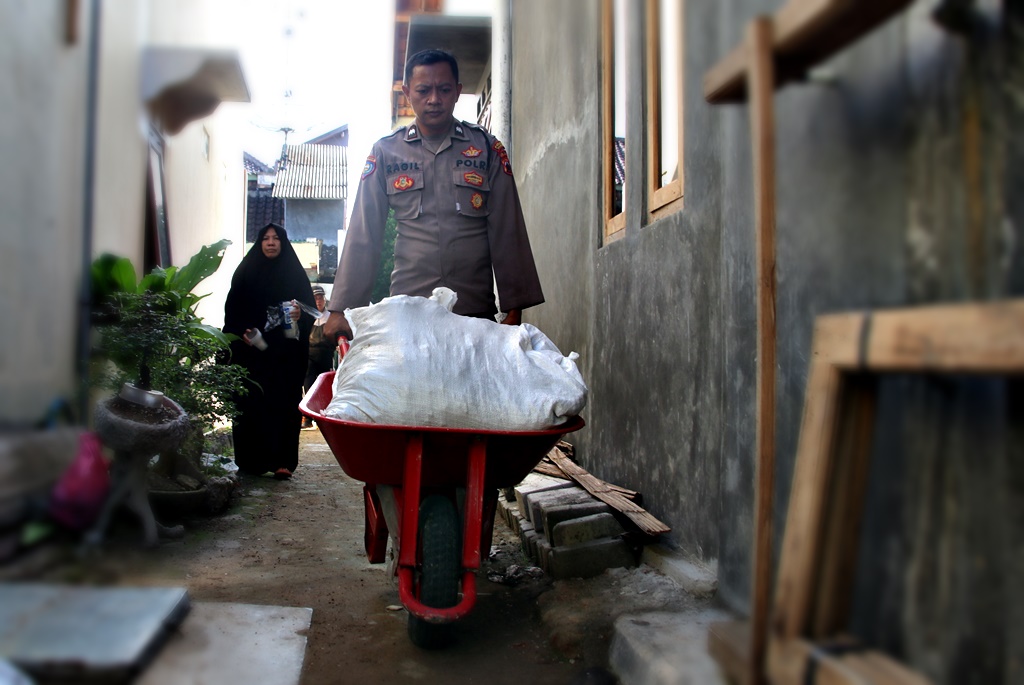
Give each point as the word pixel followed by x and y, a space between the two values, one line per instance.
pixel 203 263
pixel 206 331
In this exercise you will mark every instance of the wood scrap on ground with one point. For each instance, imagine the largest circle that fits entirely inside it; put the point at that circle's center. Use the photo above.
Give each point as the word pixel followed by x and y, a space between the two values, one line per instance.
pixel 619 498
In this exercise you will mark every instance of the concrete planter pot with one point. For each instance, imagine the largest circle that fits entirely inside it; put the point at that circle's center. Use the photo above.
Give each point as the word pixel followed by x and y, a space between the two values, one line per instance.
pixel 135 440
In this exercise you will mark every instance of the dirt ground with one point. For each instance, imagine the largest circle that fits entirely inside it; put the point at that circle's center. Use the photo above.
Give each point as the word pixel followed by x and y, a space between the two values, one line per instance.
pixel 300 543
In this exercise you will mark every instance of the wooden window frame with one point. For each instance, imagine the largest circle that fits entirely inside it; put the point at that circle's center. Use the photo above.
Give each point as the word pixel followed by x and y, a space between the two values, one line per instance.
pixel 668 198
pixel 814 587
pixel 614 225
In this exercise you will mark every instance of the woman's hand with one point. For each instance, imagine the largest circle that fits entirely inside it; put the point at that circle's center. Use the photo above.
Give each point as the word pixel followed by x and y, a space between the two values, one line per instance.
pixel 295 312
pixel 246 336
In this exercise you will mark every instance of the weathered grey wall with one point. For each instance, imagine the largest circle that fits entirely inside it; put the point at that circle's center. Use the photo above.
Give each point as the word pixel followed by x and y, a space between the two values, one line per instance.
pixel 897 184
pixel 314 219
pixel 642 311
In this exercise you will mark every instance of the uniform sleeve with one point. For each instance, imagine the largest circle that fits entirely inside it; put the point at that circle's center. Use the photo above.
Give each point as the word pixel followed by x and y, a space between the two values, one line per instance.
pixel 360 256
pixel 515 272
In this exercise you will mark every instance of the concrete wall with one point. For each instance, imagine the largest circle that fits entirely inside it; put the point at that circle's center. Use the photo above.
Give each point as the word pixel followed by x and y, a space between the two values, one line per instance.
pixel 44 95
pixel 41 85
pixel 314 219
pixel 898 184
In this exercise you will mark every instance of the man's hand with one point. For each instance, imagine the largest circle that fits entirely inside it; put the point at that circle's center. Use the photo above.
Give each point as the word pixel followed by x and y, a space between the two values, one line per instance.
pixel 513 317
pixel 337 325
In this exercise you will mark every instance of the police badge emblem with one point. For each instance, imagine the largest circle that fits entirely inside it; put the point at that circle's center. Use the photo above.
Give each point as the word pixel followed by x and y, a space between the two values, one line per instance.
pixel 369 167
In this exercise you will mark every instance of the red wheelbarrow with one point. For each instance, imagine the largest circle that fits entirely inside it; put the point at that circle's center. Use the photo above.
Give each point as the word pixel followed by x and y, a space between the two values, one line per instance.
pixel 425 470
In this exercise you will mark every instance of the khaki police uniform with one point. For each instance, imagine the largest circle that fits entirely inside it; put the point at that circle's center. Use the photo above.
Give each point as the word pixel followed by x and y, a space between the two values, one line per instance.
pixel 458 216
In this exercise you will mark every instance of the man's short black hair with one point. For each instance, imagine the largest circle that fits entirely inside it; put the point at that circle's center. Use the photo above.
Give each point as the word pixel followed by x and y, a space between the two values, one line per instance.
pixel 431 56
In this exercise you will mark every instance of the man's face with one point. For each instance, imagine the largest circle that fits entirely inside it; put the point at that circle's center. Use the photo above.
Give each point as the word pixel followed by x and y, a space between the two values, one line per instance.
pixel 320 301
pixel 433 92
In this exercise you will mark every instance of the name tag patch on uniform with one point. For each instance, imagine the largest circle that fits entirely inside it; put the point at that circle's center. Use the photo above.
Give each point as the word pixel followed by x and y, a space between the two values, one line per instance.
pixel 403 182
pixel 506 166
pixel 477 200
pixel 473 178
pixel 471 152
pixel 369 167
pixel 400 166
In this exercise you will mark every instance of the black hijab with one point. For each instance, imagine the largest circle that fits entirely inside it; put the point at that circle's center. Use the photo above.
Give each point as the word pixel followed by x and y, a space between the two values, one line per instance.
pixel 260 282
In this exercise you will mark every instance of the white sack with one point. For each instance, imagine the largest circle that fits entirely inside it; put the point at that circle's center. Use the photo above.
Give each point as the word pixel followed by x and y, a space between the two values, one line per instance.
pixel 414 363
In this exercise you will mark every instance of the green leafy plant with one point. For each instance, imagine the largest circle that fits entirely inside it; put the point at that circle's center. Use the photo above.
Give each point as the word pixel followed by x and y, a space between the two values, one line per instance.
pixel 151 334
pixel 382 283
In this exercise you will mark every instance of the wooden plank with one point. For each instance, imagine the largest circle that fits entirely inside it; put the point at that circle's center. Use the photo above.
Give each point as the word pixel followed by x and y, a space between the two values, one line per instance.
pixel 801 543
pixel 729 646
pixel 788 662
pixel 807 32
pixel 602 491
pixel 762 128
pixel 550 468
pixel 964 338
pixel 846 504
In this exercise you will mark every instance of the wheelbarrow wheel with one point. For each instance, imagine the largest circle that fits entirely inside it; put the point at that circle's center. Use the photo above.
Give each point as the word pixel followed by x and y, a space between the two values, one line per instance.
pixel 439 573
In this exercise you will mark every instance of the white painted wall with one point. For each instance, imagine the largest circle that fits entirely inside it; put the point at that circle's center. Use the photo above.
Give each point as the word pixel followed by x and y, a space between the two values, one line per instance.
pixel 42 143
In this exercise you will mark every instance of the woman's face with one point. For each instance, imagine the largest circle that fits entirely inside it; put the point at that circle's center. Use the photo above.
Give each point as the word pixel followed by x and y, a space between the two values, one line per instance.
pixel 271 244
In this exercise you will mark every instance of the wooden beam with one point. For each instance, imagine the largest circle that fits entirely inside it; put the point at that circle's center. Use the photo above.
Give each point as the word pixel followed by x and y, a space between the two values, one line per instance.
pixel 802 662
pixel 802 540
pixel 609 495
pixel 729 646
pixel 807 32
pixel 846 505
pixel 762 130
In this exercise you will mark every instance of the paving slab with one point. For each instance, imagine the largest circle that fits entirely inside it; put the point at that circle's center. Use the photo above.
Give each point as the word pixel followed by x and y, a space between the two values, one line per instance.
pixel 556 514
pixel 106 634
pixel 585 528
pixel 234 643
pixel 662 648
pixel 538 502
pixel 589 559
pixel 536 482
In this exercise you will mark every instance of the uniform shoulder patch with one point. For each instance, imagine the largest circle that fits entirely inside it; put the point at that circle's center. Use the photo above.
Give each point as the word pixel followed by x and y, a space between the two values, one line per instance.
pixel 369 167
pixel 506 166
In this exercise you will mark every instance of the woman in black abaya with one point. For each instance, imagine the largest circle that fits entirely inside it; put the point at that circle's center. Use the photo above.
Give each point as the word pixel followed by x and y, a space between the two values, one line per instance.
pixel 266 433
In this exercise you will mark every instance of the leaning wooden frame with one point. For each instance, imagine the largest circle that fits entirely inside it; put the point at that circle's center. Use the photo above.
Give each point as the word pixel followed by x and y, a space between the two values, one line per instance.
pixel 814 584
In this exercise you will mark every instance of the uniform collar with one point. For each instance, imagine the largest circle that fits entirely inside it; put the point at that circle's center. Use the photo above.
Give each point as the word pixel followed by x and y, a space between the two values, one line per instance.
pixel 458 130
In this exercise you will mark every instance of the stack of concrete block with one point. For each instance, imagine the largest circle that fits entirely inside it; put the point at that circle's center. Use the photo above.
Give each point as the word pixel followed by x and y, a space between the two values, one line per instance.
pixel 564 529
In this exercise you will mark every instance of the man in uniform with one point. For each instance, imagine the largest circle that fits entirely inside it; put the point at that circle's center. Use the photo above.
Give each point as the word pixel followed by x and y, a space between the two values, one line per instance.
pixel 460 223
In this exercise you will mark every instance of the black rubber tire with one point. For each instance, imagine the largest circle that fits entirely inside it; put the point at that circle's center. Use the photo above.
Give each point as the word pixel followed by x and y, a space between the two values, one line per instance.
pixel 439 574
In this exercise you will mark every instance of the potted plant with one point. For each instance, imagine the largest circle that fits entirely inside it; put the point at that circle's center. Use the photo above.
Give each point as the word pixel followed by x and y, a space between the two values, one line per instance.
pixel 163 360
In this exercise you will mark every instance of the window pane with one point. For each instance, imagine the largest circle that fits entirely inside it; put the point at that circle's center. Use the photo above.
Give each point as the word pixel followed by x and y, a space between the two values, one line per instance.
pixel 670 63
pixel 618 147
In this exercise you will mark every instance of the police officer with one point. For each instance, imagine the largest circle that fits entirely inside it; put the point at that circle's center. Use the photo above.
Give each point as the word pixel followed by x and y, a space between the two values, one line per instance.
pixel 460 223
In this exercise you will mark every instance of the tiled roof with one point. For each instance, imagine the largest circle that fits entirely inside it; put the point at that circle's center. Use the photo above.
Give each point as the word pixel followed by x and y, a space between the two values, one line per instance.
pixel 313 172
pixel 255 166
pixel 261 209
pixel 337 136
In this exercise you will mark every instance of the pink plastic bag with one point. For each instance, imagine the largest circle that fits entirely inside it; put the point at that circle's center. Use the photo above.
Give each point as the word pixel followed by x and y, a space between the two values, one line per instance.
pixel 78 497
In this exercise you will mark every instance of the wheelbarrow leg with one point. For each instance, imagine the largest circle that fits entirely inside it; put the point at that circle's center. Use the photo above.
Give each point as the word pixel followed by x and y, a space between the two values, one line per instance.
pixel 375 527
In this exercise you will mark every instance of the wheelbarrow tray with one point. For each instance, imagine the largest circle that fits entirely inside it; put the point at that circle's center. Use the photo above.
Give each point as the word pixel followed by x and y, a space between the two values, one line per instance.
pixel 375 453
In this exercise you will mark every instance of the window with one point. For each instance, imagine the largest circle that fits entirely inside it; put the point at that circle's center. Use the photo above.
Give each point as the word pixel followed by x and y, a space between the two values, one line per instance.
pixel 665 106
pixel 157 240
pixel 613 113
